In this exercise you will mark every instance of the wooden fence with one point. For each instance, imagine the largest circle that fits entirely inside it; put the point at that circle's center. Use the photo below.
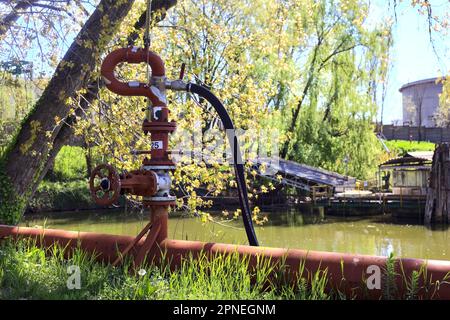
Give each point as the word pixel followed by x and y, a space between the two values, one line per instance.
pixel 411 133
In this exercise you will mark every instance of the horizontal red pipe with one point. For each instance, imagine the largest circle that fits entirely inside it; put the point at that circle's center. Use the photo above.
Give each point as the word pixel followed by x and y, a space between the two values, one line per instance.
pixel 105 246
pixel 351 267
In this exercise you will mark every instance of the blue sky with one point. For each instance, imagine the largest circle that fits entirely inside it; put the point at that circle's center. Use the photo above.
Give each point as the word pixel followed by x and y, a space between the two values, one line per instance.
pixel 413 57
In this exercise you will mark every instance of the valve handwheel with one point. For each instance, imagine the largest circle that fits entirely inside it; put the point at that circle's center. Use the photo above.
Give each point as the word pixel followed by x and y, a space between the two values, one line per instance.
pixel 104 185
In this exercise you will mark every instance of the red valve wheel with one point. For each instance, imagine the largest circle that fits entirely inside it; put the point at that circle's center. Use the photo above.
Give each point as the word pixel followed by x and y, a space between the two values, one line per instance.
pixel 104 184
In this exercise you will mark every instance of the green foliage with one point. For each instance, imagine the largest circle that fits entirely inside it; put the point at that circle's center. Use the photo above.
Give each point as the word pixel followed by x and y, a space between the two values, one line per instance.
pixel 389 276
pixel 70 164
pixel 443 113
pixel 11 206
pixel 400 147
pixel 61 195
pixel 220 46
pixel 321 58
pixel 32 273
pixel 355 153
pixel 17 96
pixel 413 286
pixel 259 67
pixel 16 102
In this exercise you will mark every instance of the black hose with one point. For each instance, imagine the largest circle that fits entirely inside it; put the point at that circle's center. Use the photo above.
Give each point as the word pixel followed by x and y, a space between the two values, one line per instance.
pixel 238 166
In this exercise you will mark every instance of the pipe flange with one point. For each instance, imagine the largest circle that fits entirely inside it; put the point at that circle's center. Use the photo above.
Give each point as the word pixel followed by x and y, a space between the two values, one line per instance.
pixel 160 201
pixel 168 198
pixel 159 167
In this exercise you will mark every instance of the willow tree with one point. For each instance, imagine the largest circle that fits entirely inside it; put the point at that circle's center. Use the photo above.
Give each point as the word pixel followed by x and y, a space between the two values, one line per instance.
pixel 328 111
pixel 23 164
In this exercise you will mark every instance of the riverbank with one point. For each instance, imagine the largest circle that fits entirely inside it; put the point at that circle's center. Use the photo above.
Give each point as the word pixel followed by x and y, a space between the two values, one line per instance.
pixel 74 195
pixel 61 196
pixel 29 272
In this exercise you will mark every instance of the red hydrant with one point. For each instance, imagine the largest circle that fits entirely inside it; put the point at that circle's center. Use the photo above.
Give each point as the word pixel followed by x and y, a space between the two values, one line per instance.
pixel 152 180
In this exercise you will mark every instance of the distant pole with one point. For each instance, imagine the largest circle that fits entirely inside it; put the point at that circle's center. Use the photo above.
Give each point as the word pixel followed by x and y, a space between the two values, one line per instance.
pixel 346 160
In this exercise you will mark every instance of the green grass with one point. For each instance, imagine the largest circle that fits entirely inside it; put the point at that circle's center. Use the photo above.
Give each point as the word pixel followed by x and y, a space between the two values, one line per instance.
pixel 28 272
pixel 400 147
pixel 388 279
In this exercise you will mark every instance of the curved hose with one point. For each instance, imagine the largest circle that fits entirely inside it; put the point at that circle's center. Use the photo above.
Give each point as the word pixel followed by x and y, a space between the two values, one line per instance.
pixel 238 166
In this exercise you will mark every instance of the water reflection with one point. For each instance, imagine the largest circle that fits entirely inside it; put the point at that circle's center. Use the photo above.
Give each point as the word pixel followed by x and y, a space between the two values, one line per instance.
pixel 378 235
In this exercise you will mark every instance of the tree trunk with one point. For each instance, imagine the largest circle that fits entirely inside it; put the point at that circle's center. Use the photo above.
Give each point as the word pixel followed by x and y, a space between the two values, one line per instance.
pixel 10 212
pixel 158 9
pixel 437 209
pixel 88 157
pixel 23 164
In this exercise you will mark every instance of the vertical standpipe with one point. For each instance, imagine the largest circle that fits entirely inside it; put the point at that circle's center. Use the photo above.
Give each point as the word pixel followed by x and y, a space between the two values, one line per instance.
pixel 156 123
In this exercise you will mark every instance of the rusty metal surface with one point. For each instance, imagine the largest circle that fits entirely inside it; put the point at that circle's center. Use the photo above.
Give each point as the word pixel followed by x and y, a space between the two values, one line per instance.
pixel 311 175
pixel 152 180
pixel 148 244
pixel 139 183
pixel 132 244
pixel 112 193
pixel 132 55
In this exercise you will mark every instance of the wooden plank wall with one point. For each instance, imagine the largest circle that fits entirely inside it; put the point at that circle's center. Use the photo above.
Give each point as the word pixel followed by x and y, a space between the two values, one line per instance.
pixel 436 135
pixel 437 209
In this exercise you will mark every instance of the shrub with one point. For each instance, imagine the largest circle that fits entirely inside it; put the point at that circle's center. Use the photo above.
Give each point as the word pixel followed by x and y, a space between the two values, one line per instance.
pixel 70 164
pixel 55 196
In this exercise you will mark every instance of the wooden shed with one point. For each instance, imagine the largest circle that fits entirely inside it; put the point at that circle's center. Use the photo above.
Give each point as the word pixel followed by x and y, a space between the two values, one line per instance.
pixel 407 175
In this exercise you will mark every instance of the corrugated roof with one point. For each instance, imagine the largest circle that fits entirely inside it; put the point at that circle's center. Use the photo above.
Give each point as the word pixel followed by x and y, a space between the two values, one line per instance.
pixel 428 155
pixel 411 158
pixel 305 172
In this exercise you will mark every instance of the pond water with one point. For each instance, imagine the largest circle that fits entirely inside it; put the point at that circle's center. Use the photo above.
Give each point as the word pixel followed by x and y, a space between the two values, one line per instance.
pixel 376 235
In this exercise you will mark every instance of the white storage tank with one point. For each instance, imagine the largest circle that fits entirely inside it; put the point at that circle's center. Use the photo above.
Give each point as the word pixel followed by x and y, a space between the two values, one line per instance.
pixel 421 102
